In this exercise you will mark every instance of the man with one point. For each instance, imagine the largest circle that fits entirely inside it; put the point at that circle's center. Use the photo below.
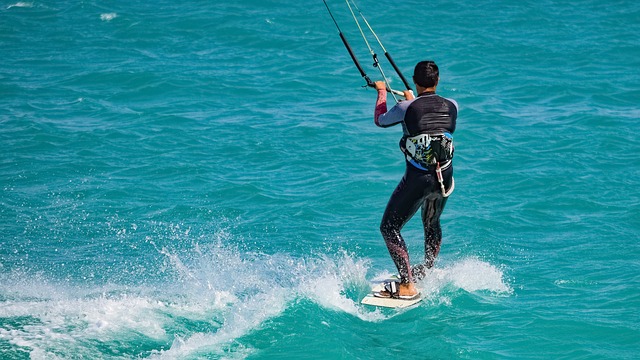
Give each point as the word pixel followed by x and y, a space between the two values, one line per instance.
pixel 427 122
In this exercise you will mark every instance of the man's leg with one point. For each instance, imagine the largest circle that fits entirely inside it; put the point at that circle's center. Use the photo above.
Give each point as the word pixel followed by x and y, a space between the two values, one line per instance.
pixel 402 205
pixel 432 208
pixel 431 211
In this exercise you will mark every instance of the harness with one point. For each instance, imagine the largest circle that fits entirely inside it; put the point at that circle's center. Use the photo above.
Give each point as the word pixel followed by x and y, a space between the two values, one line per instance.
pixel 429 150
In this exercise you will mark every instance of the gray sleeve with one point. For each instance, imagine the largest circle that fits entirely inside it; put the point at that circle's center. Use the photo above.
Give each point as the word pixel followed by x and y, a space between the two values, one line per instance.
pixel 395 115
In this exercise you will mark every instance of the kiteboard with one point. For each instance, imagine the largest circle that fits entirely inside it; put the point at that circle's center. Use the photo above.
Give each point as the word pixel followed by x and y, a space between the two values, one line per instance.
pixel 373 300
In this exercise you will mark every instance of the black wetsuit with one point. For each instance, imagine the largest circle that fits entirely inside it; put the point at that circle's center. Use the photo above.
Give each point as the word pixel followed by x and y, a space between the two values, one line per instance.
pixel 427 114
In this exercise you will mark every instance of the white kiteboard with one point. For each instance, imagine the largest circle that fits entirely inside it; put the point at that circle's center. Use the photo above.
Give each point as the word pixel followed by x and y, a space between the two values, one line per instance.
pixel 373 300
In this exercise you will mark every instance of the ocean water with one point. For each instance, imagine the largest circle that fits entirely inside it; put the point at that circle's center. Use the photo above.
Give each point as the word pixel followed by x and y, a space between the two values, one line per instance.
pixel 203 180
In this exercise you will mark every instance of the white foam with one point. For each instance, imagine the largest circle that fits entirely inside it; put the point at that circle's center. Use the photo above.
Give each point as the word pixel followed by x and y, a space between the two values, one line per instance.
pixel 249 288
pixel 21 4
pixel 475 275
pixel 239 320
pixel 71 320
pixel 108 16
pixel 328 289
pixel 264 285
pixel 469 274
pixel 62 324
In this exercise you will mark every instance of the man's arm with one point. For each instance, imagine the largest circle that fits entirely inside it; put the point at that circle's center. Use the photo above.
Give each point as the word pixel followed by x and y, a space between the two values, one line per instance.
pixel 381 105
pixel 381 116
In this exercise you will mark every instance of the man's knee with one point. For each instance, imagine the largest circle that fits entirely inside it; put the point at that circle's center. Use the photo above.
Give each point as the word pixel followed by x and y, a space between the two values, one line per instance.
pixel 388 226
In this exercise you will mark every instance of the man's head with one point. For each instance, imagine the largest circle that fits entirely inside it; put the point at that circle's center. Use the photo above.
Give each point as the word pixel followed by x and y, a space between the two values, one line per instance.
pixel 426 74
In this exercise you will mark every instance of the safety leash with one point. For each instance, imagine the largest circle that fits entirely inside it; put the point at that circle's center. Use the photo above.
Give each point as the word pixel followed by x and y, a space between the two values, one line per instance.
pixel 441 181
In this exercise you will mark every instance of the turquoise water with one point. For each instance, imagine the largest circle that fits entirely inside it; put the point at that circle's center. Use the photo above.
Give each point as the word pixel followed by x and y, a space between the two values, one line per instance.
pixel 203 180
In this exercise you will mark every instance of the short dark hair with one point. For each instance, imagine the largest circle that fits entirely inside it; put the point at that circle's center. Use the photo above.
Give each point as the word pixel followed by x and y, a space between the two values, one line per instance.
pixel 426 74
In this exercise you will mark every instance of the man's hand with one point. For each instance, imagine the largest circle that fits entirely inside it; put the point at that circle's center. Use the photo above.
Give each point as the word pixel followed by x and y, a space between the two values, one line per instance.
pixel 408 94
pixel 380 85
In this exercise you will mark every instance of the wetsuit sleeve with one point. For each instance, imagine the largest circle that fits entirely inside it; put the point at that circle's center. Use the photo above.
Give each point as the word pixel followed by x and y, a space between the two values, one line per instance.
pixel 384 118
pixel 381 106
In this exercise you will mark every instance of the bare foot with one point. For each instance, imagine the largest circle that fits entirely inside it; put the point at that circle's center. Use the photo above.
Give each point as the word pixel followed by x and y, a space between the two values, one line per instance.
pixel 404 291
pixel 407 289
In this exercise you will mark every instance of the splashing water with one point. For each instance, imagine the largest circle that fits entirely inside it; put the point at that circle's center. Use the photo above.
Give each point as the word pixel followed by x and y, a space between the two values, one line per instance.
pixel 218 294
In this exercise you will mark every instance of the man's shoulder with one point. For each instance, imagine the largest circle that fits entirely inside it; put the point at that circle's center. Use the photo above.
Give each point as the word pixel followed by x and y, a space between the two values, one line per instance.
pixel 404 104
pixel 455 103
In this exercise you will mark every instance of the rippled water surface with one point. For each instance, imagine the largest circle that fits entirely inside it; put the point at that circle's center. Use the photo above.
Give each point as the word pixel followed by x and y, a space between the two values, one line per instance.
pixel 204 180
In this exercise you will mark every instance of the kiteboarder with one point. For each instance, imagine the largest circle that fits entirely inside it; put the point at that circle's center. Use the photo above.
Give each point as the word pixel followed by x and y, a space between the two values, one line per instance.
pixel 428 121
